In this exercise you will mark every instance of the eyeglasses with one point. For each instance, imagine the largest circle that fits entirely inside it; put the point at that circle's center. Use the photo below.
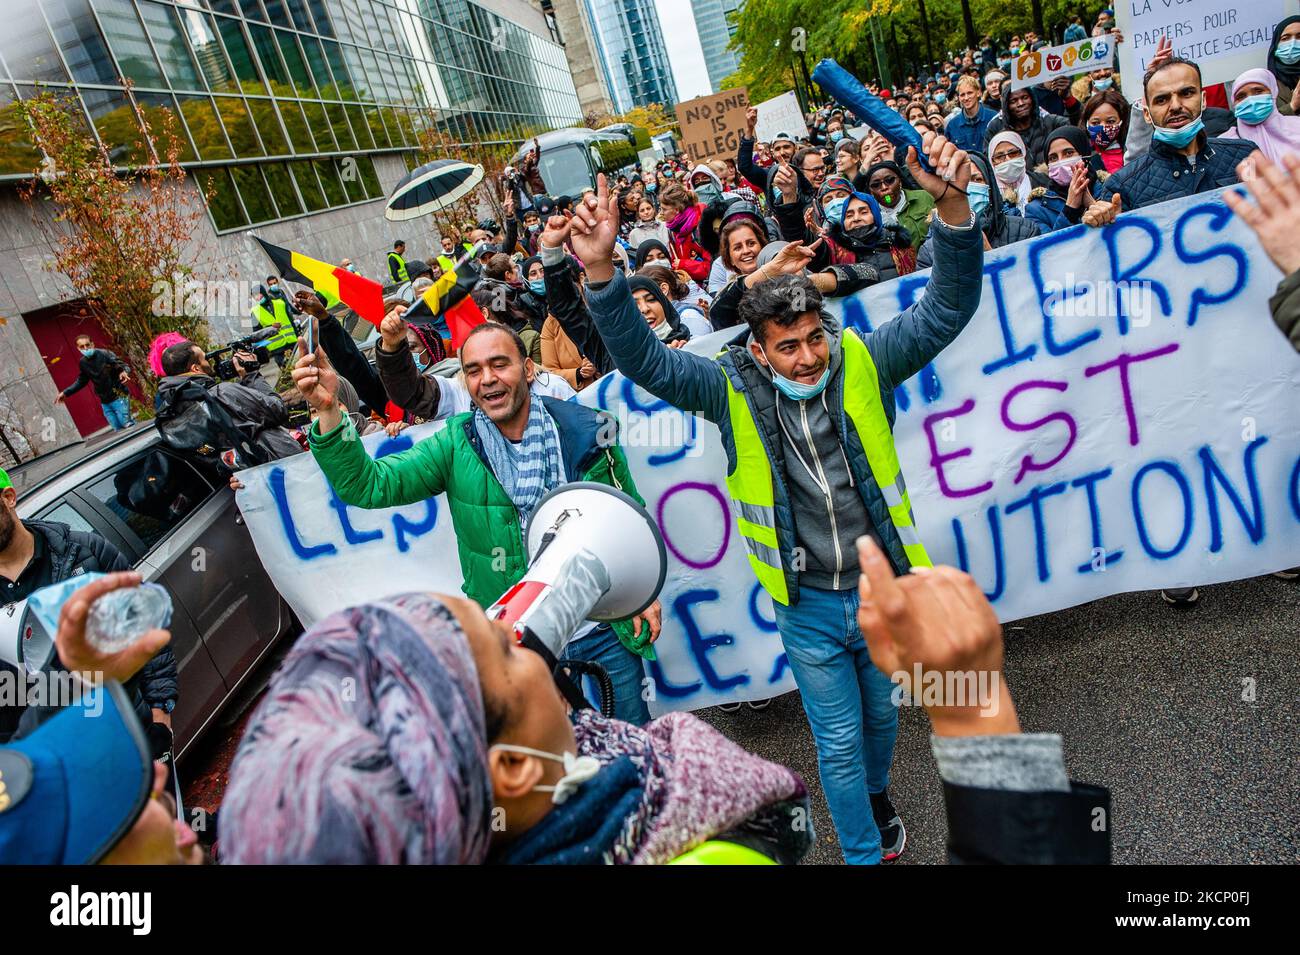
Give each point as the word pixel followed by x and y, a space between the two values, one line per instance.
pixel 815 170
pixel 885 182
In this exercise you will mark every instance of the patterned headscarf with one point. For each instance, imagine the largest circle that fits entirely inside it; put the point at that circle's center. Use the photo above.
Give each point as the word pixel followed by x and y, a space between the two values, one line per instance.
pixel 370 746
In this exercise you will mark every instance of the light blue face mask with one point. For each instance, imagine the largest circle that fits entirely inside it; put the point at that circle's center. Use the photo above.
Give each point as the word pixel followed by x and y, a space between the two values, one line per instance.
pixel 88 351
pixel 977 194
pixel 1288 51
pixel 420 364
pixel 797 390
pixel 1178 138
pixel 1103 84
pixel 834 210
pixel 538 286
pixel 708 193
pixel 1253 110
pixel 836 136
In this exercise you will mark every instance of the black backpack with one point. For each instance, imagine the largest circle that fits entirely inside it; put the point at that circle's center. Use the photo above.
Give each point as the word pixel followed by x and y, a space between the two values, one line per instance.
pixel 192 421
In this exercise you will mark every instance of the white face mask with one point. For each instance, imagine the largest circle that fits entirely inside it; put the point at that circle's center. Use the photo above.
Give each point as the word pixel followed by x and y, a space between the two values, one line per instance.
pixel 577 770
pixel 1010 172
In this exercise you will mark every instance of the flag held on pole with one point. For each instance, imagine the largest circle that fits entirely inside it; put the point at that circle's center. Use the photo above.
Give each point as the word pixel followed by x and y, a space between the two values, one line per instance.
pixel 449 298
pixel 364 296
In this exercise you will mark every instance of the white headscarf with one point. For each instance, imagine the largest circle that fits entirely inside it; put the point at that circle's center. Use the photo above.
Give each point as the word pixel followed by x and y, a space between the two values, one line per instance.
pixel 1023 187
pixel 1277 135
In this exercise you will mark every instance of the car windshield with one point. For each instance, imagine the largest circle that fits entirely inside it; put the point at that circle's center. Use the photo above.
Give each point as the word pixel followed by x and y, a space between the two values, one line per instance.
pixel 564 170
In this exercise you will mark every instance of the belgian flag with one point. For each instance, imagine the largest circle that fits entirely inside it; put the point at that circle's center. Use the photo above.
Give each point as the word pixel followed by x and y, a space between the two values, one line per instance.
pixel 362 295
pixel 449 298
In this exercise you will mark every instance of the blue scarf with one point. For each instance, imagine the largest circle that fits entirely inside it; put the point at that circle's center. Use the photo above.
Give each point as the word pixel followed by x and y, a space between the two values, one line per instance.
pixel 589 826
pixel 537 467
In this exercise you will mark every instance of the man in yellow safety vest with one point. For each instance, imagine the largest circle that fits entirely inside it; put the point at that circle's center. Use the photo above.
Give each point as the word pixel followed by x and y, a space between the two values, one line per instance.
pixel 805 409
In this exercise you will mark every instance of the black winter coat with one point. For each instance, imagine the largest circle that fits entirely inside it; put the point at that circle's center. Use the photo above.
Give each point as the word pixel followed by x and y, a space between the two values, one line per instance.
pixel 1163 173
pixel 102 369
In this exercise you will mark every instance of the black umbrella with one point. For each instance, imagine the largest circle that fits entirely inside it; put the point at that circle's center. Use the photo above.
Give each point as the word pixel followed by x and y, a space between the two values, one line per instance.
pixel 431 187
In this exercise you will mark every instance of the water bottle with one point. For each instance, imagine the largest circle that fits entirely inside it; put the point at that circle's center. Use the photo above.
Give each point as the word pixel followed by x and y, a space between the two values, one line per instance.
pixel 118 619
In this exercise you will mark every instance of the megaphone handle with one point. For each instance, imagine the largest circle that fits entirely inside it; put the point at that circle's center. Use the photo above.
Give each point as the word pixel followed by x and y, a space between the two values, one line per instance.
pixel 568 689
pixel 598 673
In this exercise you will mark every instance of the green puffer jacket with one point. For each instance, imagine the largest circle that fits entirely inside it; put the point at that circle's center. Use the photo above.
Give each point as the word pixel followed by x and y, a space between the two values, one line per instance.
pixel 488 535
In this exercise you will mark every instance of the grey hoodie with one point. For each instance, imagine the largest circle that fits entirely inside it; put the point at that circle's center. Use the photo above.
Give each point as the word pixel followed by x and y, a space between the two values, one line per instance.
pixel 829 515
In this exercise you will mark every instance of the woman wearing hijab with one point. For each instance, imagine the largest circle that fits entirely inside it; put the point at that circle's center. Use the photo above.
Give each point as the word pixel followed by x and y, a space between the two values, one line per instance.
pixel 678 293
pixel 1011 173
pixel 1074 174
pixel 999 227
pixel 1254 103
pixel 855 232
pixel 457 749
pixel 658 311
pixel 1284 64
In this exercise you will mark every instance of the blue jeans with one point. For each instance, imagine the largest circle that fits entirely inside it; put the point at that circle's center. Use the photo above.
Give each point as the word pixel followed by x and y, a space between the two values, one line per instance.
pixel 118 413
pixel 848 701
pixel 625 671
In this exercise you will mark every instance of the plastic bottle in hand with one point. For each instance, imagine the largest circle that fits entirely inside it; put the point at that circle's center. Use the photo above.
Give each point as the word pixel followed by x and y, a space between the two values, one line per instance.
pixel 118 619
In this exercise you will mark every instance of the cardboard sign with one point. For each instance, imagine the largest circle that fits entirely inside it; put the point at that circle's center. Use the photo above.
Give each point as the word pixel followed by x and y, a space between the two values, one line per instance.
pixel 1224 37
pixel 712 125
pixel 1039 66
pixel 780 114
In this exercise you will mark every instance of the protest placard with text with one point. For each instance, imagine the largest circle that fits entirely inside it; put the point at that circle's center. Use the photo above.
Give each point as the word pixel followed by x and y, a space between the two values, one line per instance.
pixel 1224 38
pixel 1040 66
pixel 1118 415
pixel 712 125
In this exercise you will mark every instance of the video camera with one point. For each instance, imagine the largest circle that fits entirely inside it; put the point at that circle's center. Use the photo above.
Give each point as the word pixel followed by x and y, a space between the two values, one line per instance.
pixel 224 368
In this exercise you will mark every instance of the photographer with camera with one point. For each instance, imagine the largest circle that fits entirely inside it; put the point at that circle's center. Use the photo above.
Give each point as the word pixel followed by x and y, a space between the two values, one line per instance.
pixel 199 414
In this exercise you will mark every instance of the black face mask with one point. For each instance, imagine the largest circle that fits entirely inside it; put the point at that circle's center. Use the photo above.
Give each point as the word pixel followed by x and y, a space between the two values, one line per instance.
pixel 863 238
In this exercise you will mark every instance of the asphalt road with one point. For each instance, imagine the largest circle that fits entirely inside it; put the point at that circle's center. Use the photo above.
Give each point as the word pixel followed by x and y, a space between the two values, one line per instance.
pixel 1149 701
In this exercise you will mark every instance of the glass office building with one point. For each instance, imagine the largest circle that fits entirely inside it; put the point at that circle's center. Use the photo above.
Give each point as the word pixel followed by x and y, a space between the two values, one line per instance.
pixel 632 53
pixel 716 22
pixel 280 106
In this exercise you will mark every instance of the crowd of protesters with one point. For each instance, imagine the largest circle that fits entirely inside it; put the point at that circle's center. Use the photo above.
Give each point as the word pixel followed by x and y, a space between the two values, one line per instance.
pixel 457 748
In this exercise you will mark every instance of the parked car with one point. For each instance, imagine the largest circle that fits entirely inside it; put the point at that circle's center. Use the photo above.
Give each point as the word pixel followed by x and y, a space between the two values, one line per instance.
pixel 180 528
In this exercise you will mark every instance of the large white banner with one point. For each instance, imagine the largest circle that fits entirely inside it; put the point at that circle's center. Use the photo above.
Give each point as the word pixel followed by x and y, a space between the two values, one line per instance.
pixel 1224 37
pixel 1120 414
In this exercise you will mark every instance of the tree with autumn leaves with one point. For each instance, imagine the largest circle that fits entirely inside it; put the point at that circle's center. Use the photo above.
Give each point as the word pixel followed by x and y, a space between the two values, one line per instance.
pixel 117 236
pixel 772 35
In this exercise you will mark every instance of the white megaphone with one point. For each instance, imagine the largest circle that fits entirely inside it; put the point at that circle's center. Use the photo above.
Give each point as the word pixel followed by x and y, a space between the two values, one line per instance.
pixel 593 554
pixel 25 643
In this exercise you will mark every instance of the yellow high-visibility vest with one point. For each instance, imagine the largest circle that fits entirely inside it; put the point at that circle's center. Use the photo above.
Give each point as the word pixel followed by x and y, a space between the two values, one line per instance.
pixel 751 483
pixel 395 259
pixel 280 319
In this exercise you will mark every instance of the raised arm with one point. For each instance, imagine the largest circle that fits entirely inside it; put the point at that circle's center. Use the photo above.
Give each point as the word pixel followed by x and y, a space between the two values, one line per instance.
pixel 688 381
pixel 904 346
pixel 404 478
pixel 411 391
pixel 564 301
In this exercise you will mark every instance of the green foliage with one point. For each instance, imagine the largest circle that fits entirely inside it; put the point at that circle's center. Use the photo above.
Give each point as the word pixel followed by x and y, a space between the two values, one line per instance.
pixel 841 29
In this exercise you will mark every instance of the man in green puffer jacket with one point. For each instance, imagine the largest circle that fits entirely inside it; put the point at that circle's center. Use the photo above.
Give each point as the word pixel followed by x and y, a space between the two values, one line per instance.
pixel 494 463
